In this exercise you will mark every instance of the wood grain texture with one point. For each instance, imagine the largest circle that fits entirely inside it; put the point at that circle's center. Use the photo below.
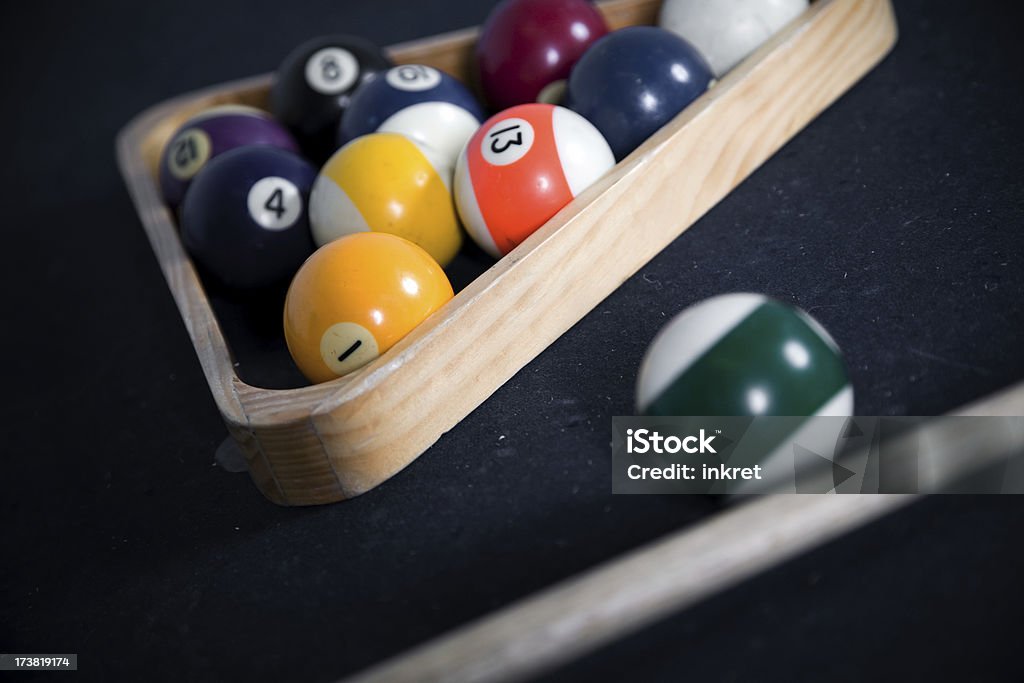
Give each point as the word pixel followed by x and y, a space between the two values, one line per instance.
pixel 333 441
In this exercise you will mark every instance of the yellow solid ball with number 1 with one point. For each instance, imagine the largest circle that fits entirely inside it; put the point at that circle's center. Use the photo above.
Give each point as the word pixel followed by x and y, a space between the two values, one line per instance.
pixel 385 182
pixel 354 298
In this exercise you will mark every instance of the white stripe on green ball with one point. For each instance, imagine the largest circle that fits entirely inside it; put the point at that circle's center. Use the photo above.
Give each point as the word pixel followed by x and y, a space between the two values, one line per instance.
pixel 743 354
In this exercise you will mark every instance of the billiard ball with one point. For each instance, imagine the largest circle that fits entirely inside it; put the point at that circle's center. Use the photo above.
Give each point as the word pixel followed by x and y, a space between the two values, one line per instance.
pixel 208 134
pixel 634 81
pixel 385 182
pixel 314 84
pixel 244 218
pixel 743 355
pixel 417 101
pixel 726 31
pixel 528 45
pixel 354 298
pixel 521 167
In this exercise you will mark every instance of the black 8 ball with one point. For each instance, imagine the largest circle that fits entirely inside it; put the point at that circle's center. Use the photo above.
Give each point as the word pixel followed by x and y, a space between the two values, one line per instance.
pixel 315 83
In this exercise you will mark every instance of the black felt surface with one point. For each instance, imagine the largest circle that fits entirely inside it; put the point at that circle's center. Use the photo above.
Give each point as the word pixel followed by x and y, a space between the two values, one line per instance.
pixel 895 219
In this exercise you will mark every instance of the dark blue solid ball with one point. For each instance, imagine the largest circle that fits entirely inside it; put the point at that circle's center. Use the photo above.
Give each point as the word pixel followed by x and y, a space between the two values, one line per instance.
pixel 245 218
pixel 634 81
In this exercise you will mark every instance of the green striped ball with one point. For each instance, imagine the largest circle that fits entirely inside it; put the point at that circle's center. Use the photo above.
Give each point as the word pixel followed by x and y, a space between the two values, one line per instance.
pixel 745 355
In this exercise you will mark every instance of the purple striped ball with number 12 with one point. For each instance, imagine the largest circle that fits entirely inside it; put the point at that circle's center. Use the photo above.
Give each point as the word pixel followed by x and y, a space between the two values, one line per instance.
pixel 208 135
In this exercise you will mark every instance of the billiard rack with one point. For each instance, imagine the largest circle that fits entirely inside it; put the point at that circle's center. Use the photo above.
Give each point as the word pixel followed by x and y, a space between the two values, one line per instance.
pixel 329 442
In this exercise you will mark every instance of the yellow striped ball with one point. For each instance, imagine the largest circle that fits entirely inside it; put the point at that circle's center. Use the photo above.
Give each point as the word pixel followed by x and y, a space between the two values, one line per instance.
pixel 385 182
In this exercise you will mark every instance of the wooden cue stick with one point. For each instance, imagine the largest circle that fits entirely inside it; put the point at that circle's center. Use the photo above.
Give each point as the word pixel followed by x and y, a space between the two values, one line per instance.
pixel 561 623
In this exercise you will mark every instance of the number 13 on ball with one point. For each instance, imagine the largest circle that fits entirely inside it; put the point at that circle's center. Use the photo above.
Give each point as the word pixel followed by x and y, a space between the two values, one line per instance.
pixel 521 167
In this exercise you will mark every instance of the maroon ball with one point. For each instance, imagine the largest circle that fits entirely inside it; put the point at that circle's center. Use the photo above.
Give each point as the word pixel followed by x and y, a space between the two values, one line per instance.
pixel 208 135
pixel 526 45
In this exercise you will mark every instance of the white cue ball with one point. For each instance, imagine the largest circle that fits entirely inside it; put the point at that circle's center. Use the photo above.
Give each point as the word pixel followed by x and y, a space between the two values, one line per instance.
pixel 726 31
